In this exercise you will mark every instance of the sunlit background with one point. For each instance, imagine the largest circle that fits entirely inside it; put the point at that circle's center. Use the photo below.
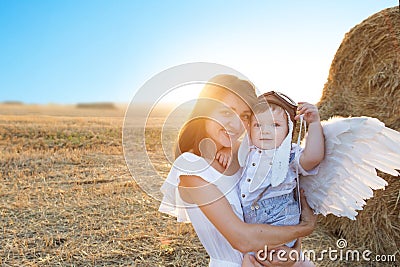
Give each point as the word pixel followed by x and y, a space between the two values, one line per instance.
pixel 71 51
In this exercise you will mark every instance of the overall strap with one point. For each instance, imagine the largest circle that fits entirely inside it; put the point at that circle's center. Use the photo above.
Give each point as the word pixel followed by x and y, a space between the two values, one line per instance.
pixel 302 121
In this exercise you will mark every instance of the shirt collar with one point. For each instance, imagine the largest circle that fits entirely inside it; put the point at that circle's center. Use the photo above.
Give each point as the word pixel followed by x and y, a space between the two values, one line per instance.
pixel 267 152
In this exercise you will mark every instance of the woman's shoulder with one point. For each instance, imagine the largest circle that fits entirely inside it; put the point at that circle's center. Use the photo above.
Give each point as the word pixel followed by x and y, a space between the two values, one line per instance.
pixel 191 164
pixel 188 158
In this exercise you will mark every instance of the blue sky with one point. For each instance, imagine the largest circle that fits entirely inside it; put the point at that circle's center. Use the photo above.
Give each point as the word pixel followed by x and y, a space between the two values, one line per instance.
pixel 70 51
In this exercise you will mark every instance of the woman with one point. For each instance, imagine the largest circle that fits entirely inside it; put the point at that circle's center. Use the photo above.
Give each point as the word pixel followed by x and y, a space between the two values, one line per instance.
pixel 200 190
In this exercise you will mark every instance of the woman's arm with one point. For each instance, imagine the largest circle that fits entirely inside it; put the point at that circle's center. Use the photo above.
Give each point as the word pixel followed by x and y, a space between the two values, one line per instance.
pixel 242 236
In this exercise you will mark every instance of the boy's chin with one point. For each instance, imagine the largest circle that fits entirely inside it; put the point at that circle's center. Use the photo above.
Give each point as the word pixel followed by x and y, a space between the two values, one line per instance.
pixel 265 147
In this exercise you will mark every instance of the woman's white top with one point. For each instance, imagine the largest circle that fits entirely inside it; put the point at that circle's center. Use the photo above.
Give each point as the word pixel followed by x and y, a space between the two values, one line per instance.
pixel 221 253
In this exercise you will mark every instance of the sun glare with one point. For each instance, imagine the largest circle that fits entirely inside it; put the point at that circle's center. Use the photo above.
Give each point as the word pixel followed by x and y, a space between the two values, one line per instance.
pixel 181 94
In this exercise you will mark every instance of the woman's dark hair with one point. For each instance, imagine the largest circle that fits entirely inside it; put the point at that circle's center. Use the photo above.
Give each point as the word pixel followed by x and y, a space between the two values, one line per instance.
pixel 213 92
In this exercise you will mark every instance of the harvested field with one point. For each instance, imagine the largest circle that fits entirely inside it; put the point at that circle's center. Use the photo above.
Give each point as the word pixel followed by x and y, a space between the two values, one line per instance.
pixel 68 199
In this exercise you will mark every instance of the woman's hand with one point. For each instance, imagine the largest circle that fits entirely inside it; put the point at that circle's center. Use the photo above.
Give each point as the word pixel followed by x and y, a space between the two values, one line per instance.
pixel 282 257
pixel 307 218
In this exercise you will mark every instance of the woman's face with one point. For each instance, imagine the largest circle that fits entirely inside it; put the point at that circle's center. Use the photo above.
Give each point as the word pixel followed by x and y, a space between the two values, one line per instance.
pixel 228 121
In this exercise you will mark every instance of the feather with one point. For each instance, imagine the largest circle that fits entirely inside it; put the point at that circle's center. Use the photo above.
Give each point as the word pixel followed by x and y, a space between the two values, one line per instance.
pixel 354 149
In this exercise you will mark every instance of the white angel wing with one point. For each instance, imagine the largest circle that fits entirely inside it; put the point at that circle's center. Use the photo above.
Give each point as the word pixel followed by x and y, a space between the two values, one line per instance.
pixel 354 149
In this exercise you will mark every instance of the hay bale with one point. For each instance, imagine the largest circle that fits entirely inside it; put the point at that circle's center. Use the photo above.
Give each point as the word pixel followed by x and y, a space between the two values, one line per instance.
pixel 99 105
pixel 364 80
pixel 12 102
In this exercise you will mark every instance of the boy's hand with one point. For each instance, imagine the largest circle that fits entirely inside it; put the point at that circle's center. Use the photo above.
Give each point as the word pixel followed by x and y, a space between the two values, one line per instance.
pixel 310 112
pixel 224 156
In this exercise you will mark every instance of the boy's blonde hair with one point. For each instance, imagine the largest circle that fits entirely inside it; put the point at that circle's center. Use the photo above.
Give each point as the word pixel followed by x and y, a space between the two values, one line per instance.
pixel 261 107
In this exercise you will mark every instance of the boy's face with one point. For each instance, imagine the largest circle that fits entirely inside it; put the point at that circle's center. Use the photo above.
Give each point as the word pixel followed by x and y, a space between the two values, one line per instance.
pixel 268 129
